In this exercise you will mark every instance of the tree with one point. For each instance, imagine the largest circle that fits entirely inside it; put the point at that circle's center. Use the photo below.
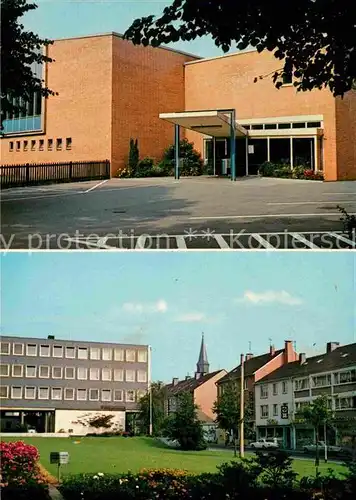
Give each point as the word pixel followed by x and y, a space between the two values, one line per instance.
pixel 184 426
pixel 315 39
pixel 134 156
pixel 227 411
pixel 20 49
pixel 158 415
pixel 316 414
pixel 190 158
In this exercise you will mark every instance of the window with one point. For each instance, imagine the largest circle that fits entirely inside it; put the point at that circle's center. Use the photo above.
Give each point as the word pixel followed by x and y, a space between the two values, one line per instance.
pixel 345 377
pixel 82 353
pixel 287 77
pixel 118 375
pixel 4 391
pixel 69 393
pixel 4 348
pixel 284 387
pixel 142 356
pixel 18 145
pixel 95 353
pixel 264 411
pixel 140 394
pixel 141 376
pixel 301 384
pixel 257 127
pixel 107 354
pixel 270 126
pixel 17 370
pixel 18 349
pixel 30 392
pixel 81 394
pixel 313 125
pixel 41 145
pixel 82 373
pixel 43 371
pixel 58 351
pixel 70 352
pixel 300 405
pixel 118 395
pixel 33 145
pixel 16 392
pixel 50 144
pixel 44 351
pixel 69 143
pixel 57 372
pixel 11 146
pixel 345 403
pixel 130 396
pixel 106 374
pixel 264 391
pixel 130 355
pixel 69 372
pixel 94 394
pixel 25 145
pixel 321 380
pixel 4 370
pixel 275 410
pixel 59 144
pixel 31 350
pixel 118 354
pixel 130 376
pixel 94 374
pixel 283 125
pixel 31 371
pixel 106 395
pixel 275 389
pixel 298 125
pixel 56 393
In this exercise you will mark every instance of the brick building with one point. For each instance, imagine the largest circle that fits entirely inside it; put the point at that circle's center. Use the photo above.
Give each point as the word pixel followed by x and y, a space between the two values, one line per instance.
pixel 110 90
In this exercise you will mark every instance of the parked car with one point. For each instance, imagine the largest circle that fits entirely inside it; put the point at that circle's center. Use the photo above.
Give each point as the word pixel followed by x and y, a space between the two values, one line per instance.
pixel 310 448
pixel 264 444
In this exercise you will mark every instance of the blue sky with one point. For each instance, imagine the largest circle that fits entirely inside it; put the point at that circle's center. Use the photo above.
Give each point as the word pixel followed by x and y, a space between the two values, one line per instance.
pixel 70 18
pixel 167 299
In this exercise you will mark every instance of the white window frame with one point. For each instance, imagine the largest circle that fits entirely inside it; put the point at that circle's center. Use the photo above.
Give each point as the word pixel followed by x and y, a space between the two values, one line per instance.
pixel 16 387
pixel 139 379
pixel 8 370
pixel 86 394
pixel 284 387
pixel 31 376
pixel 108 350
pixel 27 350
pixel 34 393
pixel 275 392
pixel 121 379
pixel 103 370
pixel 264 416
pixel 22 349
pixel 95 349
pixel 39 371
pixel 97 371
pixel 58 347
pixel 275 407
pixel 130 400
pixel 264 391
pixel 61 369
pixel 86 373
pixel 60 392
pixel 39 392
pixel 90 394
pixel 65 393
pixel 139 353
pixel 66 352
pixel 7 392
pixel 82 350
pixel 41 352
pixel 122 354
pixel 122 395
pixel 12 371
pixel 126 377
pixel 3 353
pixel 127 355
pixel 110 395
pixel 65 372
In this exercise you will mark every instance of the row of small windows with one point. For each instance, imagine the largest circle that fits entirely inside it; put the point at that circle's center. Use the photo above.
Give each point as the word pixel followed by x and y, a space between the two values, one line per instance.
pixel 69 352
pixel 31 145
pixel 70 373
pixel 70 394
pixel 344 377
pixel 280 126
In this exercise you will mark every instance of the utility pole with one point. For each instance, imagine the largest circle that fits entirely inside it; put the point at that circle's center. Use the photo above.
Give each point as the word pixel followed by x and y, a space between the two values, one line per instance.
pixel 150 431
pixel 242 407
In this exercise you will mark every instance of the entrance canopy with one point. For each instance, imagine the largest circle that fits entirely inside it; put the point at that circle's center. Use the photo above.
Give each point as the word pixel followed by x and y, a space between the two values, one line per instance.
pixel 215 123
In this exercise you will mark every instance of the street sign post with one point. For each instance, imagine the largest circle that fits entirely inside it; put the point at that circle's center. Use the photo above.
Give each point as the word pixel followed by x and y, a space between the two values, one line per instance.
pixel 59 458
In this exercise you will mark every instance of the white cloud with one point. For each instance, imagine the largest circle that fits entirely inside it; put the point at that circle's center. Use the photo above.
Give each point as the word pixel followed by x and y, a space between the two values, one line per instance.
pixel 160 306
pixel 192 317
pixel 270 297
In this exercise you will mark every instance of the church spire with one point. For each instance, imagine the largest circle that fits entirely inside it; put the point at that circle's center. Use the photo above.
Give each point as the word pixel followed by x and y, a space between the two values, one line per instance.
pixel 203 364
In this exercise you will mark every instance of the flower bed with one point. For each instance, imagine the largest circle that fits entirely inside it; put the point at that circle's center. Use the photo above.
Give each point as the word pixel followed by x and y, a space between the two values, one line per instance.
pixel 269 169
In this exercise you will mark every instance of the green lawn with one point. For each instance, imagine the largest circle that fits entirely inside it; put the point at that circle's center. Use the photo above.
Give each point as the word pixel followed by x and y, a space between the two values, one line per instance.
pixel 119 454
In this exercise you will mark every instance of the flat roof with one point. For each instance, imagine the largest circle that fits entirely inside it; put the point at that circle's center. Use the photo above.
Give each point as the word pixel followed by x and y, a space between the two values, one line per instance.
pixel 119 35
pixel 9 337
pixel 238 53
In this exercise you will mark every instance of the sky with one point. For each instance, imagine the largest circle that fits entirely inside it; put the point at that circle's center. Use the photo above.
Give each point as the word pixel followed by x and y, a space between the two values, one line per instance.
pixel 242 301
pixel 70 18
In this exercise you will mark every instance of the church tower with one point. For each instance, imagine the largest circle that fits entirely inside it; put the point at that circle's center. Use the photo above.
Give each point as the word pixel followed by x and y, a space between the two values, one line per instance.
pixel 203 364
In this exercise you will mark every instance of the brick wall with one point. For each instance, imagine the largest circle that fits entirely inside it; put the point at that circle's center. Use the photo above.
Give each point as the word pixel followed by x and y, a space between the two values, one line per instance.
pixel 346 135
pixel 206 395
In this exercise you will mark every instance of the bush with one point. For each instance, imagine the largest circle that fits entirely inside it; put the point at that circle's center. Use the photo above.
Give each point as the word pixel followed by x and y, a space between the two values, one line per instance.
pixel 298 172
pixel 267 169
pixel 191 162
pixel 144 168
pixel 25 492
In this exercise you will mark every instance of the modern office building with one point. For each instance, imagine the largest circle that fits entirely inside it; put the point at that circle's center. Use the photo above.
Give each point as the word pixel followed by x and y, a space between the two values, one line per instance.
pixel 283 392
pixel 50 384
pixel 110 90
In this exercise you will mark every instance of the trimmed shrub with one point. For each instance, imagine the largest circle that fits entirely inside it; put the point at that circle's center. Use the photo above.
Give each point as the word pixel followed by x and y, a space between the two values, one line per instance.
pixel 144 168
pixel 191 163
